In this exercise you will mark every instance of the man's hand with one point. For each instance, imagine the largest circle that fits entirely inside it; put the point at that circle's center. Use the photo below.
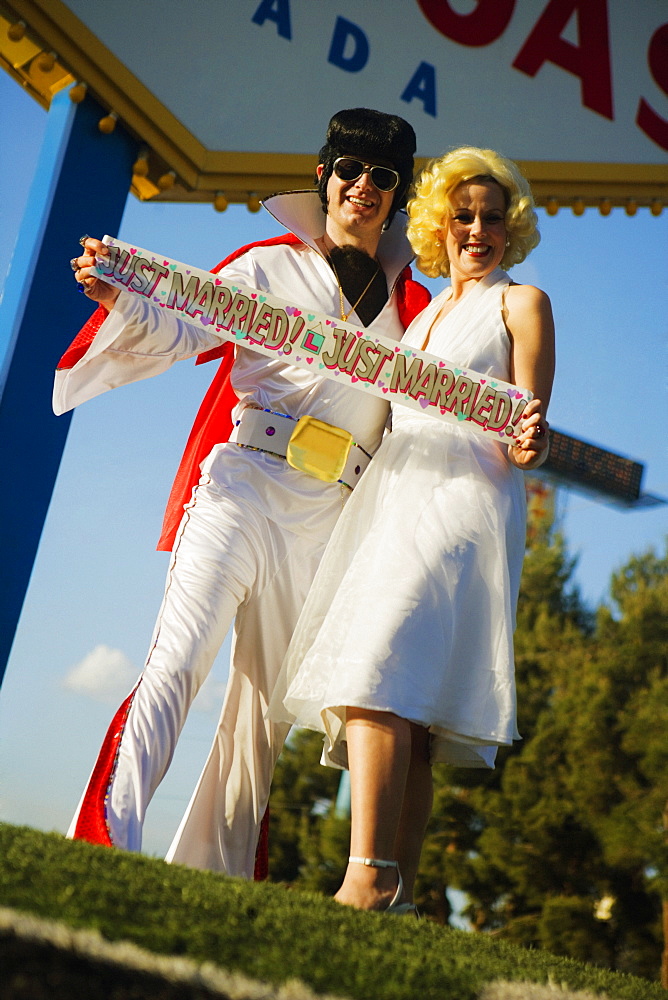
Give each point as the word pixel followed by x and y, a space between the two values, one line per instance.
pixel 94 288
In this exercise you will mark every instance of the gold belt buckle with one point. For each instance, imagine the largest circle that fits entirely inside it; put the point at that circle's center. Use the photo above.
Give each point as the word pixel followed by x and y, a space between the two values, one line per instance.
pixel 319 449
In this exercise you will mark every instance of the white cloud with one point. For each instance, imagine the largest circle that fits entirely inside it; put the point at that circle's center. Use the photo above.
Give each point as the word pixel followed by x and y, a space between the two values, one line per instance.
pixel 104 674
pixel 107 675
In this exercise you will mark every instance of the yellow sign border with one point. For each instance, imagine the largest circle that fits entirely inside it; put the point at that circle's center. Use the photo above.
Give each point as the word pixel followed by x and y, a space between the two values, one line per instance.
pixel 178 167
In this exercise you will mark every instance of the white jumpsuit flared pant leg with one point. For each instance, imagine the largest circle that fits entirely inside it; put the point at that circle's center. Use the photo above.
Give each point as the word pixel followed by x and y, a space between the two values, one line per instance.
pixel 229 561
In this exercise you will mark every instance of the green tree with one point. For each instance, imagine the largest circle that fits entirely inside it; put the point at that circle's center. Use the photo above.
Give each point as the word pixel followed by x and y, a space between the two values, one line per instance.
pixel 571 849
pixel 619 753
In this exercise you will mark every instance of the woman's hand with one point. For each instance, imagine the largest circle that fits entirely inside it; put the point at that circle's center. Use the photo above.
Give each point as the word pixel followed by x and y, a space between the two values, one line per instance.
pixel 532 446
pixel 94 288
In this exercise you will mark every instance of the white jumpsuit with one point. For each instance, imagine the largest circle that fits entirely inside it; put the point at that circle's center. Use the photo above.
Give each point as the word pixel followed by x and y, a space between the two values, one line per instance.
pixel 246 550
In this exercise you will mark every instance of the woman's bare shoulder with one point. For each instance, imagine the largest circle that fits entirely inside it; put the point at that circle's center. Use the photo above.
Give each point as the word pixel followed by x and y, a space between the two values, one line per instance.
pixel 525 296
pixel 522 302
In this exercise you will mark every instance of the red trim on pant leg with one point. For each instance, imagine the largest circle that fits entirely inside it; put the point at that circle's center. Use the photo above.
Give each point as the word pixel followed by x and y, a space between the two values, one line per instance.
pixel 92 820
pixel 261 873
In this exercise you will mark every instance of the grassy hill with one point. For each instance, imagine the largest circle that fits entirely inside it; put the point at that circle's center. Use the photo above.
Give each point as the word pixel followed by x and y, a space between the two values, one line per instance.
pixel 200 934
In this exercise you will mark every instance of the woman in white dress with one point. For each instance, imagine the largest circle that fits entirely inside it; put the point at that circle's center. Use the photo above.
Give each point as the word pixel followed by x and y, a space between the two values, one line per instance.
pixel 404 651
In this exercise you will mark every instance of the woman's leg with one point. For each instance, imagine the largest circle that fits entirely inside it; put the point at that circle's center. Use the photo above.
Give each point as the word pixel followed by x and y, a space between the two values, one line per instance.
pixel 417 805
pixel 379 755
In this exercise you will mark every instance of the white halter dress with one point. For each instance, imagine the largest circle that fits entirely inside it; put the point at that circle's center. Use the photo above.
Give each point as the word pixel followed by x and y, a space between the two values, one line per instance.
pixel 412 610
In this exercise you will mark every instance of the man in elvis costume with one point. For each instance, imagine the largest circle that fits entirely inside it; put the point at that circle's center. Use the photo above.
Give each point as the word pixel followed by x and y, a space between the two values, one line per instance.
pixel 246 529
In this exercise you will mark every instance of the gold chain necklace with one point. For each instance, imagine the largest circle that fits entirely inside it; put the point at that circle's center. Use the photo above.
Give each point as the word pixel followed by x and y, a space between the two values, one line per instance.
pixel 344 317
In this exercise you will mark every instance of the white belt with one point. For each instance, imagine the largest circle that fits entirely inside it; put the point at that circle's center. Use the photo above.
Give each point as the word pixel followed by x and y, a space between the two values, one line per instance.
pixel 265 430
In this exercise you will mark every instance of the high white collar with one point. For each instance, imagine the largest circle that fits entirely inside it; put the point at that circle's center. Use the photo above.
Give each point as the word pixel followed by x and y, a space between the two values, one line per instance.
pixel 301 213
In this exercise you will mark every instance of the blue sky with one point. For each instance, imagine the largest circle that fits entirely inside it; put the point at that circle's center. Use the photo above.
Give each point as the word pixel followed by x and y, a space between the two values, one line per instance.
pixel 97 582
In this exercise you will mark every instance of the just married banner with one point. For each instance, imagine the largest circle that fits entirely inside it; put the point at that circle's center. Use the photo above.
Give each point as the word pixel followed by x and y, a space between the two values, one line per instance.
pixel 336 350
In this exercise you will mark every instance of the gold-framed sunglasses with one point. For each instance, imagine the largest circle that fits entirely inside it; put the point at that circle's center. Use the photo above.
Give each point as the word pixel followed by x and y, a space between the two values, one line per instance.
pixel 349 168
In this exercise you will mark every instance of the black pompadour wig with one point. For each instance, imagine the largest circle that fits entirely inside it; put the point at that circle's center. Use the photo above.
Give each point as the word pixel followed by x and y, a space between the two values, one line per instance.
pixel 374 137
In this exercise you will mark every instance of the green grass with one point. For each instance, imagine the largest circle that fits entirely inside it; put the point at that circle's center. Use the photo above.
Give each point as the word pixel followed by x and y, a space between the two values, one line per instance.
pixel 268 932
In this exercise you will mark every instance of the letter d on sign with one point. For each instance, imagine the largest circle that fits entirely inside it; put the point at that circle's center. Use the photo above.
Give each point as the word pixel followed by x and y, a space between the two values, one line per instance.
pixel 358 57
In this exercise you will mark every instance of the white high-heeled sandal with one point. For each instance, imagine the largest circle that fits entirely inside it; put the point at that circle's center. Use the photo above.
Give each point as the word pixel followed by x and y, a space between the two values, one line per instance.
pixel 395 907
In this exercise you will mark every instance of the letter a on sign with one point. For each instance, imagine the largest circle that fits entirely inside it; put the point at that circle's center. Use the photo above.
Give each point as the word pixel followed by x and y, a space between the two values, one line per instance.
pixel 590 60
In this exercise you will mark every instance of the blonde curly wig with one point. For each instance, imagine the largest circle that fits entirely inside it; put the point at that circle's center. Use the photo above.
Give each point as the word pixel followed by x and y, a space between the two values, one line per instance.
pixel 429 208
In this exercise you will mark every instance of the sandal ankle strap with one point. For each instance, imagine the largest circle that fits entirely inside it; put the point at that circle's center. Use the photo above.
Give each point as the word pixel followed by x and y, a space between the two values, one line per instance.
pixel 374 862
pixel 395 906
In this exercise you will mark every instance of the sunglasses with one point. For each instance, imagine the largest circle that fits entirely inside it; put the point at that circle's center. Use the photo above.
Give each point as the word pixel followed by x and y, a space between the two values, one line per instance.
pixel 348 168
